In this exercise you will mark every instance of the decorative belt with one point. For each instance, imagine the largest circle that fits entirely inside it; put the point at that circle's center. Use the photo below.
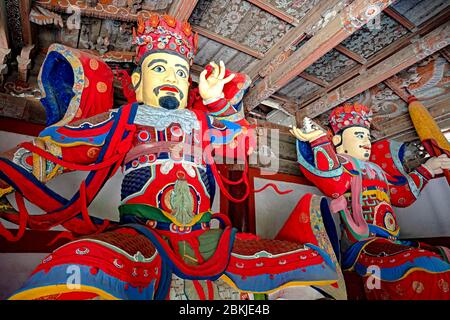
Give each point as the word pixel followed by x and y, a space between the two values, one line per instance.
pixel 164 226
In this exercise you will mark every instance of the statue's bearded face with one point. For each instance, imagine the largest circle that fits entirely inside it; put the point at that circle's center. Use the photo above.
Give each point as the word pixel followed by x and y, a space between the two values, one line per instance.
pixel 163 81
pixel 355 142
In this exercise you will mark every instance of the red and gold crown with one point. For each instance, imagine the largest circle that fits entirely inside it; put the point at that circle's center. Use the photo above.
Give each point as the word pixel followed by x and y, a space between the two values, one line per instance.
pixel 164 33
pixel 350 115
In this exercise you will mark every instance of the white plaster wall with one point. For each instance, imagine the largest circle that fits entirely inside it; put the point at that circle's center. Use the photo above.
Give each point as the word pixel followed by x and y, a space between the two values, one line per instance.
pixel 428 217
pixel 272 209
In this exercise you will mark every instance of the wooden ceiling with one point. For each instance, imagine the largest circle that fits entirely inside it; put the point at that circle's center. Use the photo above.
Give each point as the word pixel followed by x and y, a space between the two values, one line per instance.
pixel 304 56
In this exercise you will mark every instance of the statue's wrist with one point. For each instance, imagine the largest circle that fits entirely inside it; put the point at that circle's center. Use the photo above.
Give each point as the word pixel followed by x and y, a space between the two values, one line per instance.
pixel 319 140
pixel 426 171
pixel 212 100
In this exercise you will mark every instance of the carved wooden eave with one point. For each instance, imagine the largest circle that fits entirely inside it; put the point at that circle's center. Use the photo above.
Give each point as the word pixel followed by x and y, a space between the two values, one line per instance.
pixel 420 49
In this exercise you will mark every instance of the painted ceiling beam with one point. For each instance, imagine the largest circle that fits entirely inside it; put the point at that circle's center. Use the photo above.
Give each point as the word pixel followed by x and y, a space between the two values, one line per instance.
pixel 394 14
pixel 343 25
pixel 264 5
pixel 395 87
pixel 352 55
pixel 182 9
pixel 279 52
pixel 415 52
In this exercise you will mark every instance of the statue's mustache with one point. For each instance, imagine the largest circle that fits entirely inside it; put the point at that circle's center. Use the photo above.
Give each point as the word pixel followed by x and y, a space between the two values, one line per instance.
pixel 157 89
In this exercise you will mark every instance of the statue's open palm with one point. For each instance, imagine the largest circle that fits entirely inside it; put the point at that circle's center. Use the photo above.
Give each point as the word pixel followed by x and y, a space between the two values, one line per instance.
pixel 212 87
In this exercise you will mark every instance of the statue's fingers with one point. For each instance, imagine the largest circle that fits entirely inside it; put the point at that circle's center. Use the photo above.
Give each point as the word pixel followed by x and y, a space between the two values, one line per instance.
pixel 229 78
pixel 215 71
pixel 203 76
pixel 445 163
pixel 222 69
pixel 299 134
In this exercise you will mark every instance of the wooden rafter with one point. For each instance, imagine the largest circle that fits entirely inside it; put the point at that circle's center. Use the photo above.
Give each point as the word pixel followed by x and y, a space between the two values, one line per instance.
pixel 410 134
pixel 283 48
pixel 228 42
pixel 393 85
pixel 274 11
pixel 446 54
pixel 182 9
pixel 314 79
pixel 336 31
pixel 352 55
pixel 438 110
pixel 415 52
pixel 394 14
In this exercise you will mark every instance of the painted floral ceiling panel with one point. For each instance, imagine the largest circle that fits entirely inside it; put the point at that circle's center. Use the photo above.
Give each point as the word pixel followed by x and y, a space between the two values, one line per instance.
pixel 296 8
pixel 375 36
pixel 419 11
pixel 330 66
pixel 240 21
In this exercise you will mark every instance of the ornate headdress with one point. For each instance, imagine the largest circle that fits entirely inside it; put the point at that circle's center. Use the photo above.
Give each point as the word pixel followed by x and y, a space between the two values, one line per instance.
pixel 350 115
pixel 164 34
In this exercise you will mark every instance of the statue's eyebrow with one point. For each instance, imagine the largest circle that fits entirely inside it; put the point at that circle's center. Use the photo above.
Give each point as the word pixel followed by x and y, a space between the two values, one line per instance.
pixel 181 66
pixel 156 61
pixel 358 132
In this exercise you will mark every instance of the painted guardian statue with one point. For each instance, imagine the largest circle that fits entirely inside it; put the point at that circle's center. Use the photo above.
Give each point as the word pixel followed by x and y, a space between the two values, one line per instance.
pixel 364 182
pixel 168 243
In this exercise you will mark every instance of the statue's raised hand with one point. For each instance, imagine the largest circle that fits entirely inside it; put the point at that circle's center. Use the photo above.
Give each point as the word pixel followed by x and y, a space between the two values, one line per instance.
pixel 212 87
pixel 437 165
pixel 309 132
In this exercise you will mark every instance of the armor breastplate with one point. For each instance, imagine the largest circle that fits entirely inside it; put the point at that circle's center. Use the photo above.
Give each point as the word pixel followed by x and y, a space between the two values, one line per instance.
pixel 165 168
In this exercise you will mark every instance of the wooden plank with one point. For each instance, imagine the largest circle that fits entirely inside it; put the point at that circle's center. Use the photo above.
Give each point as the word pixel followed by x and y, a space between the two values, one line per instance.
pixel 314 79
pixel 274 11
pixel 351 54
pixel 228 42
pixel 437 111
pixel 411 134
pixel 182 9
pixel 283 48
pixel 19 108
pixel 415 52
pixel 394 14
pixel 101 10
pixel 336 31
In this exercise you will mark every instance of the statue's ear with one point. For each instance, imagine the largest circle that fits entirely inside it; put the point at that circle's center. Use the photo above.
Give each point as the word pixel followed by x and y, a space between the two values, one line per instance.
pixel 136 80
pixel 337 139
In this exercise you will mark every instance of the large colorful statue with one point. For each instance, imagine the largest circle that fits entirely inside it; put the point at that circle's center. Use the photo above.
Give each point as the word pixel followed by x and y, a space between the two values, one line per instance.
pixel 166 245
pixel 364 182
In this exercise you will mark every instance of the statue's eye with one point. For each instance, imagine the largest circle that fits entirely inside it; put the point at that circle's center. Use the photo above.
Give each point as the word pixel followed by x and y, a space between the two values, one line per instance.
pixel 159 69
pixel 181 74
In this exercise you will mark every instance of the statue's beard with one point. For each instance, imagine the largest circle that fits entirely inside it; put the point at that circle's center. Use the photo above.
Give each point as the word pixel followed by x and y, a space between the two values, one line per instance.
pixel 169 102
